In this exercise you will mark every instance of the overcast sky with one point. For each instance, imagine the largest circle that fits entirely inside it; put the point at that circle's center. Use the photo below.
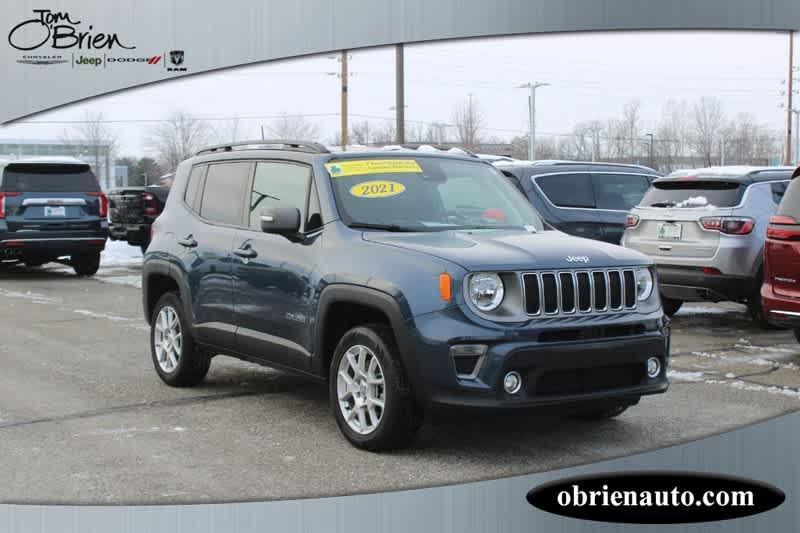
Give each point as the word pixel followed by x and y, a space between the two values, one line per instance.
pixel 592 75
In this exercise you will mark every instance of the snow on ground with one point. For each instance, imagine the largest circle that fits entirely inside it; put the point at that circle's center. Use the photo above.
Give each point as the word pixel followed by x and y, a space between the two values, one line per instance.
pixel 691 377
pixel 120 254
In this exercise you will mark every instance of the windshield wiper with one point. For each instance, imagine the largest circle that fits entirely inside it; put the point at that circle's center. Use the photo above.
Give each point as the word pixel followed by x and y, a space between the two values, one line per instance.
pixel 663 204
pixel 382 227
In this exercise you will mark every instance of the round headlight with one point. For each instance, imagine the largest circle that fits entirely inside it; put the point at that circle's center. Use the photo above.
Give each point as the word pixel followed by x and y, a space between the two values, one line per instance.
pixel 486 291
pixel 644 284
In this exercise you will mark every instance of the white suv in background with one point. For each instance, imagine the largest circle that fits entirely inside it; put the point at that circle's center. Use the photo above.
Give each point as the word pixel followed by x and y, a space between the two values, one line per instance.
pixel 705 230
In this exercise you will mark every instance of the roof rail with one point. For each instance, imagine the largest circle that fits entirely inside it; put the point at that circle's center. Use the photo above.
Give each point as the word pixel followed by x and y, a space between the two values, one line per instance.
pixel 261 144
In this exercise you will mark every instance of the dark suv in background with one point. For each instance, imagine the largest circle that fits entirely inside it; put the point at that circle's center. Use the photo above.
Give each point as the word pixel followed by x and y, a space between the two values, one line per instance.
pixel 409 281
pixel 52 208
pixel 584 199
pixel 132 211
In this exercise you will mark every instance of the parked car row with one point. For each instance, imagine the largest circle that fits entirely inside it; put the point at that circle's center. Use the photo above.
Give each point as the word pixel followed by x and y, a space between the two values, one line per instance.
pixel 705 229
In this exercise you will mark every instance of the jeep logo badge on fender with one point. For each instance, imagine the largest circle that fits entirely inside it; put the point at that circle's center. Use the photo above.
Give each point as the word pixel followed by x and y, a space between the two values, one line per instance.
pixel 656 498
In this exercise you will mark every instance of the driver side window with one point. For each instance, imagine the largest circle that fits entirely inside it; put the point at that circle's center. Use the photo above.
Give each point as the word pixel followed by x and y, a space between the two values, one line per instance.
pixel 278 184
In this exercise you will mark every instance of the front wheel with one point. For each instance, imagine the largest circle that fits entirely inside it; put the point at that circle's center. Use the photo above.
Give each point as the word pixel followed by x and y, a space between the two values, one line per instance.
pixel 177 359
pixel 671 307
pixel 86 264
pixel 369 394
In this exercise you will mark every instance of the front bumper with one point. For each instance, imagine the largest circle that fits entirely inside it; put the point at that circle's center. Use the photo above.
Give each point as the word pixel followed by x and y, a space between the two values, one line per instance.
pixel 562 362
pixel 691 284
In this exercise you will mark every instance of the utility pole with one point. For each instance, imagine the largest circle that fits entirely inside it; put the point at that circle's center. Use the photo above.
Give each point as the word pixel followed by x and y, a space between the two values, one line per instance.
pixel 400 95
pixel 789 106
pixel 344 76
pixel 532 135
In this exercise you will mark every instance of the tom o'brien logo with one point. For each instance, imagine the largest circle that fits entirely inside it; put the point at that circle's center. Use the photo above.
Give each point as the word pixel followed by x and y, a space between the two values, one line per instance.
pixel 47 32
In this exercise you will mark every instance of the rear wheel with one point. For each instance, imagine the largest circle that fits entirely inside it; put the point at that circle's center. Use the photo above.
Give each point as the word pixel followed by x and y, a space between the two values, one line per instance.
pixel 671 307
pixel 86 264
pixel 369 395
pixel 177 359
pixel 797 334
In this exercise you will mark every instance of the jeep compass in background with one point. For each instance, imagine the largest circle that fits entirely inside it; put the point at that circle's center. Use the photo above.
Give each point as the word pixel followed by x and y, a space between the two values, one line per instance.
pixel 409 281
pixel 583 199
pixel 781 289
pixel 705 230
pixel 52 208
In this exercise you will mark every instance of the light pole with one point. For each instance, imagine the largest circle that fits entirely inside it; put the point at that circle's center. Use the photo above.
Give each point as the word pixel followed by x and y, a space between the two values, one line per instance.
pixel 650 155
pixel 532 105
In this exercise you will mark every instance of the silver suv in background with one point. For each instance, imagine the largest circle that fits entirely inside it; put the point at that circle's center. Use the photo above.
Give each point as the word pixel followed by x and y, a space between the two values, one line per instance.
pixel 705 230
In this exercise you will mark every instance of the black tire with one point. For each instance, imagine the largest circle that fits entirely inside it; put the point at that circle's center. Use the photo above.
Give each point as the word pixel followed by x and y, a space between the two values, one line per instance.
pixel 34 263
pixel 86 264
pixel 603 412
pixel 670 306
pixel 797 334
pixel 192 363
pixel 400 418
pixel 756 311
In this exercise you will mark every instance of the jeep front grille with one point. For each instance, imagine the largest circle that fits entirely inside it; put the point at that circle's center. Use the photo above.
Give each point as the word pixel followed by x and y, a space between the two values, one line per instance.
pixel 579 292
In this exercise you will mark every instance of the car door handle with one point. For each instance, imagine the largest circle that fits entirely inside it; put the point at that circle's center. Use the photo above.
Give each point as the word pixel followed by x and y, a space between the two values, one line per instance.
pixel 247 253
pixel 188 242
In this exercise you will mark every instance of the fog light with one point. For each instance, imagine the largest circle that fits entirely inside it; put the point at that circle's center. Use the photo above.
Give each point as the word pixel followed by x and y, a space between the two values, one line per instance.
pixel 653 367
pixel 512 383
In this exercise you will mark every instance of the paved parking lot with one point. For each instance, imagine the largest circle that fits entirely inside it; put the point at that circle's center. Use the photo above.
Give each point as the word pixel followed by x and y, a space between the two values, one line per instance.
pixel 83 417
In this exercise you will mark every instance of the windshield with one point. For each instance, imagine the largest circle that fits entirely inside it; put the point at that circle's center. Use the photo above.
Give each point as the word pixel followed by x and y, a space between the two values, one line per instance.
pixel 428 194
pixel 693 194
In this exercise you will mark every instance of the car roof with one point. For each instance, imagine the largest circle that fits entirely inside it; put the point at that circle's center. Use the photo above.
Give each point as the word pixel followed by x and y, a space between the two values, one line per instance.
pixel 540 167
pixel 739 174
pixel 311 150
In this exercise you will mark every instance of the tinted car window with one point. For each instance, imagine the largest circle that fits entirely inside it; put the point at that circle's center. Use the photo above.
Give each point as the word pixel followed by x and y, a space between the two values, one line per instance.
pixel 49 178
pixel 568 190
pixel 224 191
pixel 790 205
pixel 778 190
pixel 278 185
pixel 620 192
pixel 694 193
pixel 191 197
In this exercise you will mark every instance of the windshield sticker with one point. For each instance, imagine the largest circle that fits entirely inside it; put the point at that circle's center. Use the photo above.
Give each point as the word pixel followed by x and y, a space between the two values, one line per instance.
pixel 377 189
pixel 342 169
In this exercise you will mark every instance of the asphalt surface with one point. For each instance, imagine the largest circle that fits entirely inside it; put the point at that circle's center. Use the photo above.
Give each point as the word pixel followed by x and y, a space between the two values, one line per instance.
pixel 84 419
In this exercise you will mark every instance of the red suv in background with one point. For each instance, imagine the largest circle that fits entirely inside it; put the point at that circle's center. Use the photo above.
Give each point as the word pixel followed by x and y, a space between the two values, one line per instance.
pixel 781 290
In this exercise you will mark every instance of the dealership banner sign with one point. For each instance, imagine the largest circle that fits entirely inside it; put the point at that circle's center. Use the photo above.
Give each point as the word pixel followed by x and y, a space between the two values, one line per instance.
pixel 91 48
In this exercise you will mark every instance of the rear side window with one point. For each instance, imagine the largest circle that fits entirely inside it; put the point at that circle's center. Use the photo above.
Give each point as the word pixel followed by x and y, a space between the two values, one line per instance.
pixel 223 195
pixel 568 190
pixel 790 205
pixel 49 178
pixel 192 198
pixel 694 193
pixel 619 192
pixel 778 190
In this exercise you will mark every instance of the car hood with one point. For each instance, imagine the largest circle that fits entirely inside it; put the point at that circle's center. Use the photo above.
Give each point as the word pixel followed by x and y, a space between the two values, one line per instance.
pixel 485 250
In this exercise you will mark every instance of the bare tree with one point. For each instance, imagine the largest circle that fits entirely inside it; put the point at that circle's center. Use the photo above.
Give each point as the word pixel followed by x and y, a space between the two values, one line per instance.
pixel 93 138
pixel 230 131
pixel 385 134
pixel 178 138
pixel 361 132
pixel 468 119
pixel 631 125
pixel 294 127
pixel 709 122
pixel 436 133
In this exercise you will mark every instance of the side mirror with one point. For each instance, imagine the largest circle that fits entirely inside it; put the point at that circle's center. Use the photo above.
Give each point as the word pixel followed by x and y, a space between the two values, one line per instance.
pixel 280 220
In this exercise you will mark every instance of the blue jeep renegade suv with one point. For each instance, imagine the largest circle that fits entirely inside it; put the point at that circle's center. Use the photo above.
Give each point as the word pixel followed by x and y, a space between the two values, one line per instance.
pixel 409 281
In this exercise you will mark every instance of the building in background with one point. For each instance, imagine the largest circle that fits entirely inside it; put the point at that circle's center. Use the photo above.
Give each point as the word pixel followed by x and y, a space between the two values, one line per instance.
pixel 99 157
